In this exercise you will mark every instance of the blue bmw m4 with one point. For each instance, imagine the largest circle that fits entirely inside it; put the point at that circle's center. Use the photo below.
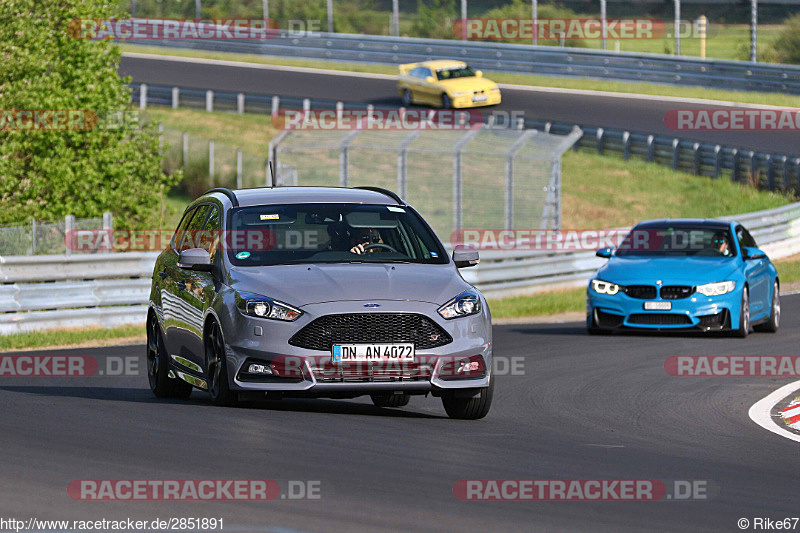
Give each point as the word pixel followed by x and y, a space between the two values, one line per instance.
pixel 685 274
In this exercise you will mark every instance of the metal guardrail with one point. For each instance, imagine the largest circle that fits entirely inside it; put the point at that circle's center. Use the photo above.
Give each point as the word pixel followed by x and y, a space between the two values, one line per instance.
pixel 548 60
pixel 773 171
pixel 45 292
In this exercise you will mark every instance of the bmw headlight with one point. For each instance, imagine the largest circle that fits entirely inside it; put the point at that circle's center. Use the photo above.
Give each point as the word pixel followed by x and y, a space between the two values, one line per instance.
pixel 605 287
pixel 716 289
pixel 465 304
pixel 259 306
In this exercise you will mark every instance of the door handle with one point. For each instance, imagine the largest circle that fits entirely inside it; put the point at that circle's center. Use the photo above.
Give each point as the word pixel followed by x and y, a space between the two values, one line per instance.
pixel 163 274
pixel 181 285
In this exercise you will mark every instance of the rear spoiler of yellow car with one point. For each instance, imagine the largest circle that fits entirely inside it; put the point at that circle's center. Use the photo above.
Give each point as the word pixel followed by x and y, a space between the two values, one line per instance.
pixel 408 66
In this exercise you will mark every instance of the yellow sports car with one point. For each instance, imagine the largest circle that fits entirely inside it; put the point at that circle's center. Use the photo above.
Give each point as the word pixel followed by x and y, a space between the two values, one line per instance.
pixel 445 83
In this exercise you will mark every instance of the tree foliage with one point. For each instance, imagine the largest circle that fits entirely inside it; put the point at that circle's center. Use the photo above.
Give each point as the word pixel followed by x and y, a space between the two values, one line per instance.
pixel 48 174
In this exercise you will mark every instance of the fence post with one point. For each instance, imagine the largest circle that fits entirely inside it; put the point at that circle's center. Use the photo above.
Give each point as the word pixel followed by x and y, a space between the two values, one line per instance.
pixel 735 173
pixel 717 160
pixel 160 139
pixel 599 140
pixel 238 169
pixel 626 145
pixel 143 96
pixel 108 226
pixel 651 148
pixel 209 100
pixel 458 177
pixel 509 192
pixel 276 105
pixel 185 150
pixel 211 163
pixel 402 158
pixel 240 103
pixel 306 104
pixel 33 240
pixel 339 110
pixel 676 154
pixel 175 96
pixel 696 154
pixel 69 227
pixel 344 158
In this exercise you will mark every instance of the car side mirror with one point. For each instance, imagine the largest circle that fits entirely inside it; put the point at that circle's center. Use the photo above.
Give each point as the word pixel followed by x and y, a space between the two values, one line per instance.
pixel 605 253
pixel 752 253
pixel 195 259
pixel 478 73
pixel 464 256
pixel 430 79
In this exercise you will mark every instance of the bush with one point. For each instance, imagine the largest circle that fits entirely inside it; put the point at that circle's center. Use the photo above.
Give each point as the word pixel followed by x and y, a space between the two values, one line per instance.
pixel 786 47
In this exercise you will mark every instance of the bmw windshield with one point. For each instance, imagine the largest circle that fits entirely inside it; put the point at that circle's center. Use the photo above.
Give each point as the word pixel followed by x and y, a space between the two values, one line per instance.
pixel 678 241
pixel 330 233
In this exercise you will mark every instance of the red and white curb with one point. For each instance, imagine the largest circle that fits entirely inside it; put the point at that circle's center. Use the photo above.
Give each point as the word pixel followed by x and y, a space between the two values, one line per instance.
pixel 791 414
pixel 761 413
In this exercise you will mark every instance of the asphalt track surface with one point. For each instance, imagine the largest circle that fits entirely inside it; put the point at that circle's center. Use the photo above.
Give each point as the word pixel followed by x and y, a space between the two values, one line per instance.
pixel 583 408
pixel 634 114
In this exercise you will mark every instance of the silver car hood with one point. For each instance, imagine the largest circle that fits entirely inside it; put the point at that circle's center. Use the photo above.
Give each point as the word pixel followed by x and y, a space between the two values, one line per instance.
pixel 301 285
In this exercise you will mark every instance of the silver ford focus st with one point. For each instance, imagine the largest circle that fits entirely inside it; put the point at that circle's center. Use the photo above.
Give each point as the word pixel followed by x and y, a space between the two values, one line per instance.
pixel 316 292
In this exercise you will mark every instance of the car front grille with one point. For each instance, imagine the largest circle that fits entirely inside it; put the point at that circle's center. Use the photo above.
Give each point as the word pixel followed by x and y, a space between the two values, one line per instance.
pixel 659 319
pixel 644 292
pixel 676 292
pixel 356 328
pixel 717 321
pixel 368 373
pixel 608 320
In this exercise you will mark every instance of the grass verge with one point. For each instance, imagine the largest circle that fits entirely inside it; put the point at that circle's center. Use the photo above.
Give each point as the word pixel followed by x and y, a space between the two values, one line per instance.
pixel 545 303
pixel 654 89
pixel 70 337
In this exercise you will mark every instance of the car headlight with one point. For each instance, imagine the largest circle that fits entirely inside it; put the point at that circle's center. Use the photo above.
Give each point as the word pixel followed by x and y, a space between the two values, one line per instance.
pixel 259 306
pixel 716 289
pixel 465 304
pixel 605 287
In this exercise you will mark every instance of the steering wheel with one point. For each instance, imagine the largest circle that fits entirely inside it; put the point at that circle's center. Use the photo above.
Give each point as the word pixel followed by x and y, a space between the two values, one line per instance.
pixel 379 245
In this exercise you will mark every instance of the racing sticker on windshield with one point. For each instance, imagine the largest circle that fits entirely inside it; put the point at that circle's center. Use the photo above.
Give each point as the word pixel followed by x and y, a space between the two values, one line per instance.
pixel 270 217
pixel 395 209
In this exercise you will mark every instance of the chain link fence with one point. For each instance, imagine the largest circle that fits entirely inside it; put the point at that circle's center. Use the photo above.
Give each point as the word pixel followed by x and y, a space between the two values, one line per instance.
pixel 47 237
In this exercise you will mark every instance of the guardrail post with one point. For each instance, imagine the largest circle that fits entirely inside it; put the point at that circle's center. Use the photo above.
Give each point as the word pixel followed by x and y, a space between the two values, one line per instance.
pixel 238 169
pixel 240 103
pixel 735 157
pixel 339 110
pixel 33 236
pixel 784 173
pixel 209 100
pixel 675 154
pixel 626 145
pixel 696 155
pixel 176 91
pixel 770 173
pixel 185 150
pixel 143 96
pixel 717 160
pixel 108 227
pixel 651 148
pixel 547 126
pixel 753 167
pixel 599 140
pixel 276 105
pixel 306 104
pixel 69 227
pixel 211 163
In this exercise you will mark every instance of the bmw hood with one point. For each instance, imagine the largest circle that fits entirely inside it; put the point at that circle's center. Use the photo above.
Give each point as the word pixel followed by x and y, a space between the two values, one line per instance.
pixel 301 285
pixel 468 84
pixel 634 270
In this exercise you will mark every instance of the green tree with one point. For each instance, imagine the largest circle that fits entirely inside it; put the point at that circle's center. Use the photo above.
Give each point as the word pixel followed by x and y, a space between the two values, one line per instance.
pixel 48 174
pixel 435 19
pixel 786 46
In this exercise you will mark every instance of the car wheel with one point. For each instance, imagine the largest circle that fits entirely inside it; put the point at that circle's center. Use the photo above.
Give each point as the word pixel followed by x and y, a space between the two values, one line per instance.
pixel 774 322
pixel 446 103
pixel 408 98
pixel 469 408
pixel 390 400
pixel 217 369
pixel 744 315
pixel 158 365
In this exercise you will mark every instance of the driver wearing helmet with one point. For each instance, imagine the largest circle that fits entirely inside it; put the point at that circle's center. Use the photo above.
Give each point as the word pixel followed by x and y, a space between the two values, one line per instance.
pixel 720 243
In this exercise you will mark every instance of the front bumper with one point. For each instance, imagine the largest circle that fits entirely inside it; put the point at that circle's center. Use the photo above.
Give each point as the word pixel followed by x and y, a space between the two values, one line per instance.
pixel 698 312
pixel 460 102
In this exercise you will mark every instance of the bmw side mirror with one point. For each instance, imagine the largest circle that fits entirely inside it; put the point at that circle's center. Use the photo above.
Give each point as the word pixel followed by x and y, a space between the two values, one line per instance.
pixel 430 79
pixel 478 74
pixel 605 253
pixel 195 259
pixel 752 253
pixel 464 256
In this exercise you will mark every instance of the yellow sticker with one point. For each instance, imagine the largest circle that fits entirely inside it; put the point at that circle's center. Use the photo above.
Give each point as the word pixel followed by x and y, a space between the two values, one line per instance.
pixel 270 217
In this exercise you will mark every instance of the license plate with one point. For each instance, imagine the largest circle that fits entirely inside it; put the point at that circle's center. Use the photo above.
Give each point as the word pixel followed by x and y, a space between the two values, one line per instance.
pixel 658 306
pixel 346 353
pixel 482 98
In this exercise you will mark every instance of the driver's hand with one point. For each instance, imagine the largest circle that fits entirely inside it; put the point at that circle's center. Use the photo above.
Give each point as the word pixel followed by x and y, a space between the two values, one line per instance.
pixel 357 249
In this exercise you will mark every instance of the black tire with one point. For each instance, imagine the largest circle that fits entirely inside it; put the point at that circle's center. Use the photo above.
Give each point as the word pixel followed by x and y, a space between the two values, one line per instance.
pixel 470 408
pixel 744 316
pixel 390 400
pixel 408 98
pixel 774 322
pixel 217 368
pixel 446 103
pixel 158 365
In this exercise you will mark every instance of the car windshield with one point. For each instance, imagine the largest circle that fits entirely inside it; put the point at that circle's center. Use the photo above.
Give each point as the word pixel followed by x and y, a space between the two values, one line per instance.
pixel 330 233
pixel 678 241
pixel 452 73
